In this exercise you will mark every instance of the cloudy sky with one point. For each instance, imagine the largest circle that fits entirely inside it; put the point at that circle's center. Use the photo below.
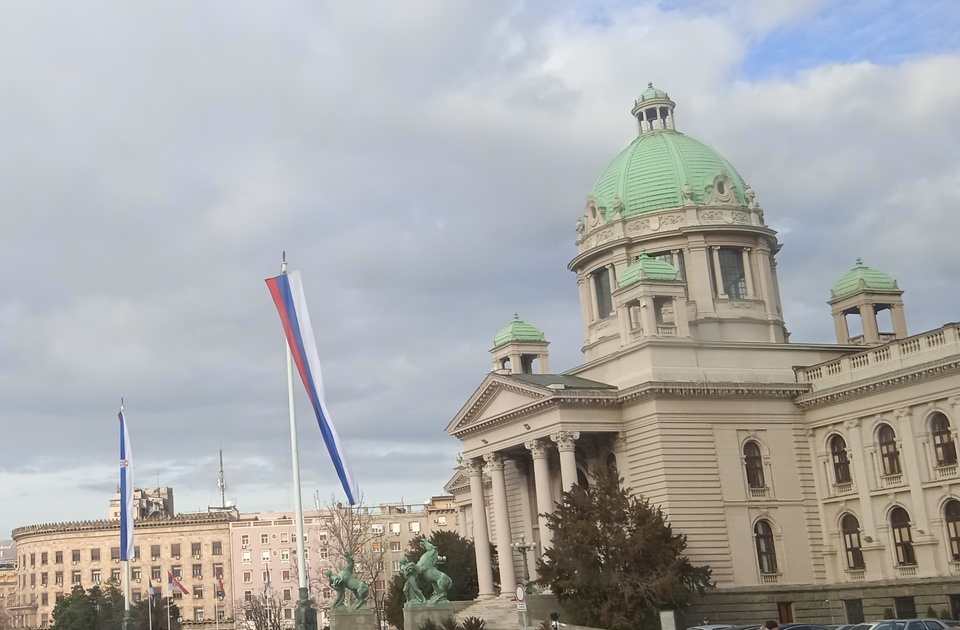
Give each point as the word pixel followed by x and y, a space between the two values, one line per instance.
pixel 422 164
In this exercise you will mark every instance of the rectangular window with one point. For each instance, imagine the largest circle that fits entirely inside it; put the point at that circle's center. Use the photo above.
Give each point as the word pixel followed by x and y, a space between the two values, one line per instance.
pixel 196 549
pixel 135 574
pixel 853 609
pixel 601 284
pixel 323 553
pixel 264 539
pixel 175 550
pixel 954 606
pixel 732 273
pixel 33 580
pixel 58 578
pixel 115 576
pixel 394 528
pixel 198 614
pixel 198 570
pixel 246 555
pixel 376 528
pixel 154 552
pixel 245 539
pixel 248 596
pixel 75 555
pixel 33 559
pixel 395 545
pixel 58 557
pixel 904 607
pixel 75 577
pixel 265 576
pixel 284 537
pixel 380 585
pixel 95 555
pixel 216 548
pixel 177 571
pixel 288 613
pixel 285 575
pixel 198 592
pixel 155 573
pixel 441 520
pixel 115 553
pixel 95 576
pixel 43 558
pixel 137 596
pixel 396 565
pixel 415 527
pixel 247 577
pixel 43 579
pixel 293 537
pixel 44 599
pixel 785 612
pixel 287 594
pixel 327 593
pixel 285 555
pixel 265 555
pixel 376 546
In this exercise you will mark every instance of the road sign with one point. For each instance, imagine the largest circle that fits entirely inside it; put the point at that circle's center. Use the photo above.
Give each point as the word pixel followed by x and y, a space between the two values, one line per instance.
pixel 522 606
pixel 521 593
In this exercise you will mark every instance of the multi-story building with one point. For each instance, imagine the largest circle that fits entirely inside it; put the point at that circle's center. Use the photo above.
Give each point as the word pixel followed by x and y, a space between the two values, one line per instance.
pixel 8 575
pixel 816 480
pixel 53 558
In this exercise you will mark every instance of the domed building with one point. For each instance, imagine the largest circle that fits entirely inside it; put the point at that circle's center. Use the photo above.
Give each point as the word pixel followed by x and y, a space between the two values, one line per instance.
pixel 818 481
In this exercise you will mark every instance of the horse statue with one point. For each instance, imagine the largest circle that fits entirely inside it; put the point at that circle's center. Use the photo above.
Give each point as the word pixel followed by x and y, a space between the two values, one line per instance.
pixel 344 581
pixel 427 567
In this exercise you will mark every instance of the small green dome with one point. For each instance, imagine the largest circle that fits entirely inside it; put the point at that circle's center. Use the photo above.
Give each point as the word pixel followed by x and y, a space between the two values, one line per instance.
pixel 863 277
pixel 517 330
pixel 648 268
pixel 652 92
pixel 654 171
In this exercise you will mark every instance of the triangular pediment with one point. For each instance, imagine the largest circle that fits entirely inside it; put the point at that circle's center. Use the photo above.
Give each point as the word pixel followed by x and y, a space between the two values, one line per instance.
pixel 497 395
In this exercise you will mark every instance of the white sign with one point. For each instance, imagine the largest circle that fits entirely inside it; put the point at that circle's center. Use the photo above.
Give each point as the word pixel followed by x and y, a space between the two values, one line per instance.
pixel 521 593
pixel 521 606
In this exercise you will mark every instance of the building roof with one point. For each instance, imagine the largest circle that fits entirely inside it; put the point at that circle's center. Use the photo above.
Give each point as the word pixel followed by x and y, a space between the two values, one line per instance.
pixel 863 277
pixel 554 380
pixel 653 172
pixel 517 330
pixel 646 268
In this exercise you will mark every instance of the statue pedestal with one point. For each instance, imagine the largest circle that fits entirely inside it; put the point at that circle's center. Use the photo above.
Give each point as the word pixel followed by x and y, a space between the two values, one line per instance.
pixel 343 619
pixel 415 614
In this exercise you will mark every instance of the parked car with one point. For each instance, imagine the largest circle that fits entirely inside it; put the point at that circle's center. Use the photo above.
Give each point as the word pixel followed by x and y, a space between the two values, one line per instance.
pixel 842 626
pixel 802 626
pixel 903 624
pixel 950 623
pixel 713 626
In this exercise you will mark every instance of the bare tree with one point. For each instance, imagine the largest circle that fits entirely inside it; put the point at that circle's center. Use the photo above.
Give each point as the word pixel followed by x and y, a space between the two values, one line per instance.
pixel 351 531
pixel 261 613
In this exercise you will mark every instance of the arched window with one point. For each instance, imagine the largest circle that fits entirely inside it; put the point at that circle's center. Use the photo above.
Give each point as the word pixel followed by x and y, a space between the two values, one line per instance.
pixel 889 453
pixel 850 528
pixel 753 463
pixel 841 465
pixel 946 450
pixel 766 553
pixel 902 538
pixel 951 514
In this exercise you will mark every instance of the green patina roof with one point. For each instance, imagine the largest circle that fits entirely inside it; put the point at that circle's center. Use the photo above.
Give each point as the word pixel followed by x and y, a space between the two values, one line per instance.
pixel 652 92
pixel 652 172
pixel 517 330
pixel 646 267
pixel 863 277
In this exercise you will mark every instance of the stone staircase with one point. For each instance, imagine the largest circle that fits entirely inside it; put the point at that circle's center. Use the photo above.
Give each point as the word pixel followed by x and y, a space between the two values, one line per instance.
pixel 499 613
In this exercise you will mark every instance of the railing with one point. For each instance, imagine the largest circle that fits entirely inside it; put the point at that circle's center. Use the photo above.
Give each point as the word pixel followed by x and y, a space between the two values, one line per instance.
pixel 666 330
pixel 854 575
pixel 906 570
pixel 843 488
pixel 945 472
pixel 759 493
pixel 770 578
pixel 890 481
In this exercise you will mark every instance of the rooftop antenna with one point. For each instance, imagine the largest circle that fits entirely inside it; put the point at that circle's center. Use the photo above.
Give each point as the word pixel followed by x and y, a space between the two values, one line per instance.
pixel 222 484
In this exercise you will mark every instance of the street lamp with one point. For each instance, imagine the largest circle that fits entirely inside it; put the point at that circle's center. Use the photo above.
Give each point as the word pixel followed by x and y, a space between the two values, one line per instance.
pixel 523 547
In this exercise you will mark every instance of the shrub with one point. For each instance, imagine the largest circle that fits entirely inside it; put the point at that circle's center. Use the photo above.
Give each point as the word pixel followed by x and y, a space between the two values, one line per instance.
pixel 473 623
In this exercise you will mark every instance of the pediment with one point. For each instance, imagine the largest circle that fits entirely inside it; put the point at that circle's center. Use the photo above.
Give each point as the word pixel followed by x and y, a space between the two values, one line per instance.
pixel 497 396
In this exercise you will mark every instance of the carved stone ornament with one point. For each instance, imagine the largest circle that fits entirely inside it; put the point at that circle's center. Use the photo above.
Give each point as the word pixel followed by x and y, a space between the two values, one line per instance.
pixel 751 196
pixel 711 215
pixel 903 413
pixel 851 423
pixel 566 440
pixel 581 228
pixel 741 217
pixel 688 195
pixel 594 214
pixel 472 467
pixel 538 448
pixel 640 225
pixel 620 442
pixel 494 461
pixel 721 191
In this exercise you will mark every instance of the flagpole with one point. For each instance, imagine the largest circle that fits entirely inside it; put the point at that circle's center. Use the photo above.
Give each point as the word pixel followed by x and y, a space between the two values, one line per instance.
pixel 304 601
pixel 150 610
pixel 169 597
pixel 126 519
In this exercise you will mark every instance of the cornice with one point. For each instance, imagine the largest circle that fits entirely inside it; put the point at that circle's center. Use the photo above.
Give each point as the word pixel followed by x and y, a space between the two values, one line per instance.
pixel 200 518
pixel 682 389
pixel 554 401
pixel 866 387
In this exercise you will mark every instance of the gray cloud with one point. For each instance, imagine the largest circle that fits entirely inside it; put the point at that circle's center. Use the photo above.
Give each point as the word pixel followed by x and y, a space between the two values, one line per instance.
pixel 423 165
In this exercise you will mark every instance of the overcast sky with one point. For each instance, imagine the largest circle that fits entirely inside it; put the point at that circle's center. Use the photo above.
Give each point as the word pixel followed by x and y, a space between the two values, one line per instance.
pixel 422 164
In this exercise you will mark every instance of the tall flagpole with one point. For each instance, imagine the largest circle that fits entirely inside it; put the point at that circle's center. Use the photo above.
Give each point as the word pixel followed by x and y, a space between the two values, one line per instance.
pixel 304 602
pixel 169 598
pixel 126 519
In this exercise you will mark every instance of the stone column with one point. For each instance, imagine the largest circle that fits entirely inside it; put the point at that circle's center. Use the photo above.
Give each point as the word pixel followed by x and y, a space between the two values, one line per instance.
pixel 911 468
pixel 567 444
pixel 501 515
pixel 594 304
pixel 899 321
pixel 868 317
pixel 541 479
pixel 717 273
pixel 840 324
pixel 864 482
pixel 481 537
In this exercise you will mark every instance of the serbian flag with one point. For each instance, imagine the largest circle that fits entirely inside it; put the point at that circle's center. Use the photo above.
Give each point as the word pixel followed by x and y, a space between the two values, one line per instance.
pixel 287 292
pixel 174 584
pixel 221 593
pixel 126 491
pixel 150 588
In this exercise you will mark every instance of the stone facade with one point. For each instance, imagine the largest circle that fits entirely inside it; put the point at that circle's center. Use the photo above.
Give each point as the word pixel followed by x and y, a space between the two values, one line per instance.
pixel 800 473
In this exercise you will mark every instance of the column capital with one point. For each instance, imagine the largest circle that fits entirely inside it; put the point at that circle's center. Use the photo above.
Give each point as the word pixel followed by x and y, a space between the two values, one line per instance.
pixel 539 449
pixel 953 401
pixel 494 461
pixel 851 423
pixel 903 413
pixel 472 466
pixel 619 442
pixel 566 440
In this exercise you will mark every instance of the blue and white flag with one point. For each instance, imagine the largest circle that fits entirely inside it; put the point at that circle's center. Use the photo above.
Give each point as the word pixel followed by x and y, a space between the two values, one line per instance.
pixel 126 492
pixel 287 292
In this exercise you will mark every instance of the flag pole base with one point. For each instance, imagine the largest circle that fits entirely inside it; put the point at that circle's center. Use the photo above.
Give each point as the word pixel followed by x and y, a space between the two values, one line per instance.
pixel 306 617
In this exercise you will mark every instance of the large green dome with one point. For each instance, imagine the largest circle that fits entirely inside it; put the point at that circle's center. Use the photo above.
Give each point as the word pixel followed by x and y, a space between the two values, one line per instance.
pixel 654 171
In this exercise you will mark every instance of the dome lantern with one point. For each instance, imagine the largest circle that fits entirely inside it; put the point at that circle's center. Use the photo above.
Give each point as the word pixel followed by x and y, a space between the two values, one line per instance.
pixel 520 348
pixel 654 111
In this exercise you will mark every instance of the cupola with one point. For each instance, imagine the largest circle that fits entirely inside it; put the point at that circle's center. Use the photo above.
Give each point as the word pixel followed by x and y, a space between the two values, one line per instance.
pixel 864 292
pixel 653 110
pixel 520 348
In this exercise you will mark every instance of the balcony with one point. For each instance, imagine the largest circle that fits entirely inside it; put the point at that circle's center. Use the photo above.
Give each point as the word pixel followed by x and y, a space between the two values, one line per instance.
pixel 759 493
pixel 856 575
pixel 906 570
pixel 843 488
pixel 945 472
pixel 769 578
pixel 891 481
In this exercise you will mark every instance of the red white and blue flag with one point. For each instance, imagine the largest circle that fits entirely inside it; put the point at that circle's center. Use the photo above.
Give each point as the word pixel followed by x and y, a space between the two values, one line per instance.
pixel 287 292
pixel 174 584
pixel 221 593
pixel 126 491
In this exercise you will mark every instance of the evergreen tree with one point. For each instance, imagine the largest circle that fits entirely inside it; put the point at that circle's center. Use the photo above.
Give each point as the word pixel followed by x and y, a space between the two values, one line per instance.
pixel 615 561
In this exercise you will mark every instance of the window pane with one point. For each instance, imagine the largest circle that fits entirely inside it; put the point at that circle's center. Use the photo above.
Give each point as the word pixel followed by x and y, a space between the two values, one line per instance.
pixel 731 273
pixel 601 280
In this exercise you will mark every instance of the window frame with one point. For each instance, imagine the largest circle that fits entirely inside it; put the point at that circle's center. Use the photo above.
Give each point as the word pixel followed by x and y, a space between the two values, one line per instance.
pixel 766 547
pixel 840 460
pixel 903 550
pixel 852 545
pixel 945 448
pixel 733 275
pixel 889 451
pixel 753 465
pixel 951 521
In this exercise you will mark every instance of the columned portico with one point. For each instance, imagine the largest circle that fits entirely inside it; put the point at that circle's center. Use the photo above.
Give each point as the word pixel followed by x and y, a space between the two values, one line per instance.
pixel 501 515
pixel 481 537
pixel 541 479
pixel 567 445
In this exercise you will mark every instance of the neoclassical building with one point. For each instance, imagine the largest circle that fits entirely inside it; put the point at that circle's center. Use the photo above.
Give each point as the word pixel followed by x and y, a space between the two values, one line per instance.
pixel 818 481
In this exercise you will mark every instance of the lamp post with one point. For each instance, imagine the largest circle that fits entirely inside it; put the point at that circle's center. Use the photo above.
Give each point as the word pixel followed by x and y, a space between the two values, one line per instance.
pixel 523 547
